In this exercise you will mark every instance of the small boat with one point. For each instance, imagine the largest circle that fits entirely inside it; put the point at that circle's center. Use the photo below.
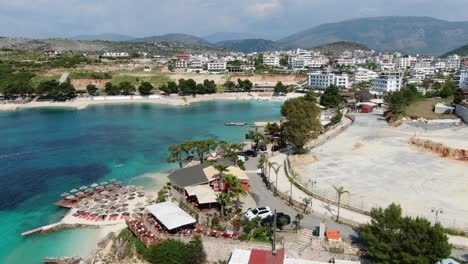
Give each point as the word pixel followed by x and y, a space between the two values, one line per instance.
pixel 235 124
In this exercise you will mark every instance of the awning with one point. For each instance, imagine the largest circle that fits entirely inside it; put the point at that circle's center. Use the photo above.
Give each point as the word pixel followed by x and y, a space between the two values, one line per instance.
pixel 204 193
pixel 239 256
pixel 170 215
pixel 211 173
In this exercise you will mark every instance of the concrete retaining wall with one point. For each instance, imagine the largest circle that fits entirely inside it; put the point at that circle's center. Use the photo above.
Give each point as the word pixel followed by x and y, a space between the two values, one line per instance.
pixel 462 112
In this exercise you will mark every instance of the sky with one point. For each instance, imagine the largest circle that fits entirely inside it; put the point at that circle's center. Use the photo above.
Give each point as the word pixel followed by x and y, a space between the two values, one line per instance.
pixel 264 18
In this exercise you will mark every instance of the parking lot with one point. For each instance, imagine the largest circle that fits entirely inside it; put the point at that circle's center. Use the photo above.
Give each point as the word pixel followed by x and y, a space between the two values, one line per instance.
pixel 375 163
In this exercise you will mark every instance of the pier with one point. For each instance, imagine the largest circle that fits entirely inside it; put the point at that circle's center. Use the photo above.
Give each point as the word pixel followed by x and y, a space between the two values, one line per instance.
pixel 41 229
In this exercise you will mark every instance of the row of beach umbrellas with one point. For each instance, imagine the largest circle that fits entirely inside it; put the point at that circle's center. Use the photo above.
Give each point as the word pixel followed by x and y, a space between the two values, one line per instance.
pixel 74 192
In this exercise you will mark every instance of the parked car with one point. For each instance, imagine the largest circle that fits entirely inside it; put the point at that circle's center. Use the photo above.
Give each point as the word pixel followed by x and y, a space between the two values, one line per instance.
pixel 242 158
pixel 248 153
pixel 275 148
pixel 261 212
pixel 282 219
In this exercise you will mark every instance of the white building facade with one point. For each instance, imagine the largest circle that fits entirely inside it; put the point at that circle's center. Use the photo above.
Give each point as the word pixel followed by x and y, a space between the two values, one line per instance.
pixel 322 80
pixel 271 60
pixel 217 67
pixel 463 79
pixel 386 83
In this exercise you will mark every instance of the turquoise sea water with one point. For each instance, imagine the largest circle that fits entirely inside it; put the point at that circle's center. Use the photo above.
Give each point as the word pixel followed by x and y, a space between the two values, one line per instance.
pixel 45 152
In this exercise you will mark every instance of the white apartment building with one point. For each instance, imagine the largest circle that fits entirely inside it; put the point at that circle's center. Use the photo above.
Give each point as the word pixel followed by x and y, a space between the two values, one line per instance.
pixel 348 61
pixel 181 64
pixel 453 62
pixel 386 83
pixel 405 62
pixel 342 80
pixel 217 67
pixel 297 63
pixel 322 80
pixel 422 72
pixel 440 65
pixel 360 61
pixel 115 54
pixel 364 75
pixel 463 79
pixel 196 64
pixel 271 60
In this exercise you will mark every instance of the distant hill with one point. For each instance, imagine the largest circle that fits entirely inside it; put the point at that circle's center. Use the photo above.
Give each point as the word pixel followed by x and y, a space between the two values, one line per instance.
pixel 423 35
pixel 251 45
pixel 223 36
pixel 462 51
pixel 98 46
pixel 105 37
pixel 336 48
pixel 176 38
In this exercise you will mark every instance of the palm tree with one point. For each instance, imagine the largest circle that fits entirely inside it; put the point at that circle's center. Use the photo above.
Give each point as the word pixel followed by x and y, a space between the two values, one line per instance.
pixel 262 163
pixel 270 166
pixel 276 169
pixel 224 200
pixel 292 178
pixel 221 168
pixel 339 191
pixel 238 191
pixel 306 201
pixel 230 181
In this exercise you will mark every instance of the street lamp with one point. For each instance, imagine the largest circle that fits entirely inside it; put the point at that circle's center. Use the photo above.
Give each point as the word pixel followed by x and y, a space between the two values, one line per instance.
pixel 436 211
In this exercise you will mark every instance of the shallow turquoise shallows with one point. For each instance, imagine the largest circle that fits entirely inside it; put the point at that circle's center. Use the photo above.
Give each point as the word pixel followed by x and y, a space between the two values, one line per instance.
pixel 45 152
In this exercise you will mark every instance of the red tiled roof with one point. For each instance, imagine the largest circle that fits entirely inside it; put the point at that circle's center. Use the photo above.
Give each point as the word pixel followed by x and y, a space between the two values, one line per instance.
pixel 258 256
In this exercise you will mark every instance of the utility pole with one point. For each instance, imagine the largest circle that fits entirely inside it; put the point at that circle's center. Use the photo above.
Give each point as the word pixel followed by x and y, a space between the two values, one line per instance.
pixel 273 250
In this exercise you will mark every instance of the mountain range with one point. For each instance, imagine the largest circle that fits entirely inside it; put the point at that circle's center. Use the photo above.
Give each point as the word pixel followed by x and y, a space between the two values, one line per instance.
pixel 405 34
pixel 413 35
pixel 184 39
pixel 225 36
pixel 103 37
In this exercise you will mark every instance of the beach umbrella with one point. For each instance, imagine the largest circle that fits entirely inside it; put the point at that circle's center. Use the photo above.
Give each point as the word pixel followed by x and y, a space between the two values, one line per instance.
pixel 135 215
pixel 73 190
pixel 104 183
pixel 105 193
pixel 64 194
pixel 94 185
pixel 89 190
pixel 83 187
pixel 79 193
pixel 112 180
pixel 70 197
pixel 140 188
pixel 99 187
pixel 118 182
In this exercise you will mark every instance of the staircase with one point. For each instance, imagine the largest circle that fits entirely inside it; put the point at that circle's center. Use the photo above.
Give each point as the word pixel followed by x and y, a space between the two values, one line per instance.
pixel 303 243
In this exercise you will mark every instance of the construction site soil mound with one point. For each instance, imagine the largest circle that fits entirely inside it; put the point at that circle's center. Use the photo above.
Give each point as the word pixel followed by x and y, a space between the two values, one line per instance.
pixel 439 149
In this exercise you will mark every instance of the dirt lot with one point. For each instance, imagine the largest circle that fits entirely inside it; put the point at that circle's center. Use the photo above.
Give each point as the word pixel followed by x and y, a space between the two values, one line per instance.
pixel 424 108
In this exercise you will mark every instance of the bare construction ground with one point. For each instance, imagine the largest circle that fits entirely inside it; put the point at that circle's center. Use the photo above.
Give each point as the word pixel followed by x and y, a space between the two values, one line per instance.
pixel 375 163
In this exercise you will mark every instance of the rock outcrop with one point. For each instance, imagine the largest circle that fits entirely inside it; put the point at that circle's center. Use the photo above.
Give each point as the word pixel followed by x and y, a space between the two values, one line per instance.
pixel 438 148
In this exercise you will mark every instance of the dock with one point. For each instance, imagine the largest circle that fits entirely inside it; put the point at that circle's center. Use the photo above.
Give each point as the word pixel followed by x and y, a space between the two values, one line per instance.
pixel 41 229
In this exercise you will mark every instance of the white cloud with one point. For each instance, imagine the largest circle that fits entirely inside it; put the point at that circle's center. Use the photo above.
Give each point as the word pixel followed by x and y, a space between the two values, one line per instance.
pixel 263 8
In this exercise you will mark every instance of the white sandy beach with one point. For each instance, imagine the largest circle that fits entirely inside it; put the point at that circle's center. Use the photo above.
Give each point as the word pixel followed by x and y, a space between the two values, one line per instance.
pixel 175 100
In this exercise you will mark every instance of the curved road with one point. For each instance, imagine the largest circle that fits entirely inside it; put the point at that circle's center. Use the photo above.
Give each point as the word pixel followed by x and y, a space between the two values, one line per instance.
pixel 264 197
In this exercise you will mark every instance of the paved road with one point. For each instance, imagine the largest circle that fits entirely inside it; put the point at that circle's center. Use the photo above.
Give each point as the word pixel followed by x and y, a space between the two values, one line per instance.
pixel 264 197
